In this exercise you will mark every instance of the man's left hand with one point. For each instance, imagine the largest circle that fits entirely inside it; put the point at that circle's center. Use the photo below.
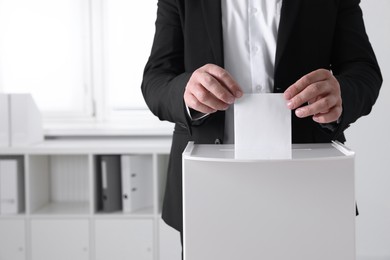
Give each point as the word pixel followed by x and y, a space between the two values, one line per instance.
pixel 321 90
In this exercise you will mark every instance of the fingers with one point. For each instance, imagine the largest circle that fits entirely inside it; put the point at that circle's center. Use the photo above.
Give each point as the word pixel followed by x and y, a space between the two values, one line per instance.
pixel 308 87
pixel 215 88
pixel 331 116
pixel 320 106
pixel 321 90
pixel 302 83
pixel 192 102
pixel 211 88
pixel 225 78
pixel 324 110
pixel 200 99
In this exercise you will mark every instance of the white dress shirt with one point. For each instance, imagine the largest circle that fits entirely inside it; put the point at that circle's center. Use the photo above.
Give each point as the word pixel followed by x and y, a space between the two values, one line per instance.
pixel 250 30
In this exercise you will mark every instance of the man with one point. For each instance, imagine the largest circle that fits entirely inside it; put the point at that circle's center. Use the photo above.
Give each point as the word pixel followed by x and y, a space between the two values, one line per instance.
pixel 206 53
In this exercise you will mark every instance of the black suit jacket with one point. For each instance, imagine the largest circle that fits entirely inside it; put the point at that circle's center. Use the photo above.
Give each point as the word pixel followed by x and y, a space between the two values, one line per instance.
pixel 327 34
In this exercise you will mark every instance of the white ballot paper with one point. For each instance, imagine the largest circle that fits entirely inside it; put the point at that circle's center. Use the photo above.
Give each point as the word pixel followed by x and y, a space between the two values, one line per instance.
pixel 262 127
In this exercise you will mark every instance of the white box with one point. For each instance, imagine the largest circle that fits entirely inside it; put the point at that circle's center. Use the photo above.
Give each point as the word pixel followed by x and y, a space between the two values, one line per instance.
pixel 297 209
pixel 26 120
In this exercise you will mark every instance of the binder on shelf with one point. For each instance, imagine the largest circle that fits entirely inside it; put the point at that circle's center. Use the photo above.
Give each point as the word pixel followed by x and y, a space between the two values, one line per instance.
pixel 25 119
pixel 109 176
pixel 11 186
pixel 137 179
pixel 4 121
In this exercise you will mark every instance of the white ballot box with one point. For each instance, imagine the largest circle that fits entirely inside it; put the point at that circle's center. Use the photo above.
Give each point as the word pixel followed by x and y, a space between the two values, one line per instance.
pixel 296 209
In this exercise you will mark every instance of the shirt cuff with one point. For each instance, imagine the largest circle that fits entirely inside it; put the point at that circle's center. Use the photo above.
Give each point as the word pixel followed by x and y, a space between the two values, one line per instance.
pixel 195 115
pixel 332 126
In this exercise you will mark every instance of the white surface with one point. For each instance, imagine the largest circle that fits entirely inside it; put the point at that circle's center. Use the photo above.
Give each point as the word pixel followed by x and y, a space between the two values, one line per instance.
pixel 141 123
pixel 95 145
pixel 139 214
pixel 12 240
pixel 4 121
pixel 63 208
pixel 26 121
pixel 262 127
pixel 59 239
pixel 122 239
pixel 137 182
pixel 269 209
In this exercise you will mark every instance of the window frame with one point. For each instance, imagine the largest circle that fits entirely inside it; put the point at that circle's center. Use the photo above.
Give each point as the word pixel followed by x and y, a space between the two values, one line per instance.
pixel 98 119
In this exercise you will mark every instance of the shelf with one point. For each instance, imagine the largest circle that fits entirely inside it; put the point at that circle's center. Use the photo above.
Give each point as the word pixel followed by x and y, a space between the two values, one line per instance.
pixel 150 145
pixel 64 192
pixel 58 184
pixel 142 213
pixel 63 208
pixel 16 216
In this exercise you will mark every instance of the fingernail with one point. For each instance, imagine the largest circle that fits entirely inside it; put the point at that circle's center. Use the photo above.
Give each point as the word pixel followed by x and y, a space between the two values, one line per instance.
pixel 290 105
pixel 299 112
pixel 238 94
pixel 231 100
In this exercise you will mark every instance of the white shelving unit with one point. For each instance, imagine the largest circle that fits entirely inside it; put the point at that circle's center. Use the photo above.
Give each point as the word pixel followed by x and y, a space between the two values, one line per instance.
pixel 61 219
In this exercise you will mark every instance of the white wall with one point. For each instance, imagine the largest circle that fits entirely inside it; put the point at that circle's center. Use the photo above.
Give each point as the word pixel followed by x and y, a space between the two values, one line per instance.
pixel 370 138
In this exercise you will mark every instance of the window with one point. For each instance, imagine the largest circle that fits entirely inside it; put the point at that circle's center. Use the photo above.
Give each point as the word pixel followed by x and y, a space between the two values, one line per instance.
pixel 44 51
pixel 80 59
pixel 129 34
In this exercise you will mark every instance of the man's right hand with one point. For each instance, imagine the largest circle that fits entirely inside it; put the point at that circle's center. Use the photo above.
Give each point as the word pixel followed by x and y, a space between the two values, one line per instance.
pixel 211 88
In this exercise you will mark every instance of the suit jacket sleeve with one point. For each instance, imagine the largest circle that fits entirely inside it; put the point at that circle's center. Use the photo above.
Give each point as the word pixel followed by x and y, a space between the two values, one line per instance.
pixel 165 78
pixel 354 64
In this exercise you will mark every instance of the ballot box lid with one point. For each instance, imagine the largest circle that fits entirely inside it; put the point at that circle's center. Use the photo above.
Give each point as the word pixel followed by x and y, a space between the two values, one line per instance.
pixel 225 152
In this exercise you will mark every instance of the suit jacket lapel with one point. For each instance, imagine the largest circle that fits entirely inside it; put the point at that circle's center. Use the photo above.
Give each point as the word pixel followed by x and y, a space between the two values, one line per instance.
pixel 289 12
pixel 213 22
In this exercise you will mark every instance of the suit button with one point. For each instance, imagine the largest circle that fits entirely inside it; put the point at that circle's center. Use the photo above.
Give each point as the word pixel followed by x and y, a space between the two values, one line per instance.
pixel 217 141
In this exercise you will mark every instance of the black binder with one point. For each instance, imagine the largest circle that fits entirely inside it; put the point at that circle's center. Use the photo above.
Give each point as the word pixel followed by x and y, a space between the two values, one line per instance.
pixel 109 183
